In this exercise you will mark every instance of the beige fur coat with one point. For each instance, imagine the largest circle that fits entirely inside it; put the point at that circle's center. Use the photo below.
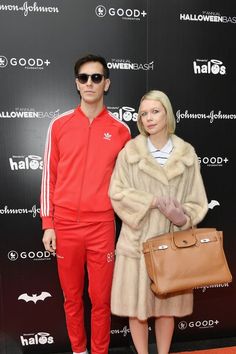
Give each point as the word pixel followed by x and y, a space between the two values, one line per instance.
pixel 136 179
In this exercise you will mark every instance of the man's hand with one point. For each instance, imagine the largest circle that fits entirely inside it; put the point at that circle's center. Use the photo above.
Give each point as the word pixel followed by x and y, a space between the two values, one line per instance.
pixel 172 209
pixel 49 240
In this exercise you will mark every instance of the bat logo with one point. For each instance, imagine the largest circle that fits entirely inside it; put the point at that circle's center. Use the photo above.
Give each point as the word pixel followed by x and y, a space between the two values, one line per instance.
pixel 34 297
pixel 213 203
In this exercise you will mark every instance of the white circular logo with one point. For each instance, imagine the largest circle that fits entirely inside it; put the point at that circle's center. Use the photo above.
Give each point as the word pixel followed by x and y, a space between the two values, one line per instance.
pixel 215 69
pixel 182 325
pixel 34 161
pixel 43 340
pixel 34 164
pixel 3 61
pixel 100 11
pixel 43 337
pixel 12 255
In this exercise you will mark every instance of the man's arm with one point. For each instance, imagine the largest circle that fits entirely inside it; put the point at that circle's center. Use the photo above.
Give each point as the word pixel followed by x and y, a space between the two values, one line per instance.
pixel 49 177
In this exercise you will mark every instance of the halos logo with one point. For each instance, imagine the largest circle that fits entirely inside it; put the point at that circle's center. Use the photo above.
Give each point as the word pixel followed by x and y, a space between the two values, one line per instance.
pixel 28 113
pixel 34 211
pixel 213 161
pixel 32 255
pixel 124 113
pixel 198 324
pixel 205 66
pixel 34 297
pixel 125 14
pixel 213 203
pixel 26 63
pixel 125 64
pixel 31 162
pixel 36 339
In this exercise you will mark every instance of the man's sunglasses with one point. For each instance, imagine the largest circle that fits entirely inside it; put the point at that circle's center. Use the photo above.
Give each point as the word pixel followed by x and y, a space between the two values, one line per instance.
pixel 96 78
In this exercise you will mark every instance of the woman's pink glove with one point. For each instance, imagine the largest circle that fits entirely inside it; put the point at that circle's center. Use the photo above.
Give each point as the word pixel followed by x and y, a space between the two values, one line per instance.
pixel 172 209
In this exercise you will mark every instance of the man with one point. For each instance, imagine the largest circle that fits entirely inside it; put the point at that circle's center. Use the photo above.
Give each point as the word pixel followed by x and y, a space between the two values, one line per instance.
pixel 77 216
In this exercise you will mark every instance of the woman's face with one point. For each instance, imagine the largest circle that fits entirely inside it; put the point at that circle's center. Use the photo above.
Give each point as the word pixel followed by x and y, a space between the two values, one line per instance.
pixel 154 118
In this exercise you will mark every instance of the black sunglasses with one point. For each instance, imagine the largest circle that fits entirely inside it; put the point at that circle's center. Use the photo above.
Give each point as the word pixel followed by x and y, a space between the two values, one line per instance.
pixel 96 78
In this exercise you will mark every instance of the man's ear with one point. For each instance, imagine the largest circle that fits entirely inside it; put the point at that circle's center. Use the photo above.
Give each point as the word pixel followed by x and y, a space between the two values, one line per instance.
pixel 77 84
pixel 107 85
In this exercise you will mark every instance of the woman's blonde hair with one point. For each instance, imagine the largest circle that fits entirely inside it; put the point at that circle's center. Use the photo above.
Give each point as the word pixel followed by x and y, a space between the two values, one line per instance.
pixel 160 96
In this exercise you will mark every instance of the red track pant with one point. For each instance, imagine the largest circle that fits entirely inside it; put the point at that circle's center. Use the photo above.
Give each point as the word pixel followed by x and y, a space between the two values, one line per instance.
pixel 92 244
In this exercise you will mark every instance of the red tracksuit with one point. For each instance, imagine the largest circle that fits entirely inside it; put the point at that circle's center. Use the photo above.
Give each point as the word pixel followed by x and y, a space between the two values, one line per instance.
pixel 78 163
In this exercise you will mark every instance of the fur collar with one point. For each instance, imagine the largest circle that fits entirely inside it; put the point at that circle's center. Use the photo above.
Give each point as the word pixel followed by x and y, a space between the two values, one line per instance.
pixel 182 156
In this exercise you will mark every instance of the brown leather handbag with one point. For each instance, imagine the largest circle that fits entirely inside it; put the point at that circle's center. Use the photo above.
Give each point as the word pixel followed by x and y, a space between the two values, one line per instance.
pixel 183 260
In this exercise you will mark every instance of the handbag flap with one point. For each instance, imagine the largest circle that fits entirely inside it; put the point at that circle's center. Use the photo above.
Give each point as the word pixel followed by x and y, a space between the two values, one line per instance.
pixel 186 238
pixel 192 236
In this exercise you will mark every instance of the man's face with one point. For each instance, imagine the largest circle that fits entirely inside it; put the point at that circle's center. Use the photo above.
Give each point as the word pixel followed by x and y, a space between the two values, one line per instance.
pixel 90 91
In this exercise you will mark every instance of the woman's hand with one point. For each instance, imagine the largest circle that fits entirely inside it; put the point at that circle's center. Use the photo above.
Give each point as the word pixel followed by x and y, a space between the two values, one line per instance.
pixel 172 209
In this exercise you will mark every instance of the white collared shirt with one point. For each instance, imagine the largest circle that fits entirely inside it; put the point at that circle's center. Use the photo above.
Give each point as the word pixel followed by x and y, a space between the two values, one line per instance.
pixel 162 155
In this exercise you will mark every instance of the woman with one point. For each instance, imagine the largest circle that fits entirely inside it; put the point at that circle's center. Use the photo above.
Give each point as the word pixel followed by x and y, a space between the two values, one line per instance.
pixel 156 182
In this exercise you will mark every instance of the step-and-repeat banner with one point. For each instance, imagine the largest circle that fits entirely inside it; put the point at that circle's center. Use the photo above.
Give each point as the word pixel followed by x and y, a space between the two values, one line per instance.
pixel 185 48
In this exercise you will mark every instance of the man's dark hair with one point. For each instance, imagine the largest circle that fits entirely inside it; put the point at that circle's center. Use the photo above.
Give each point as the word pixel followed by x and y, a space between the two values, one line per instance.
pixel 91 58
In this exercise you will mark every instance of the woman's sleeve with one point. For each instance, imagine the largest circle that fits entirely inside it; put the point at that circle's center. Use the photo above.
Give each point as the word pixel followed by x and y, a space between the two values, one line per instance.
pixel 195 203
pixel 129 203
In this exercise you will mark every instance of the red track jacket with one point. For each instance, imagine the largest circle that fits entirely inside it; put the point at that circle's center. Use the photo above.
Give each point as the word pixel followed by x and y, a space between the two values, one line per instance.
pixel 78 163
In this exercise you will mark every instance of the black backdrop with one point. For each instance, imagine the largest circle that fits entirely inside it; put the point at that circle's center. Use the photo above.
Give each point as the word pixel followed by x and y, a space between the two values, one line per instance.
pixel 183 47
